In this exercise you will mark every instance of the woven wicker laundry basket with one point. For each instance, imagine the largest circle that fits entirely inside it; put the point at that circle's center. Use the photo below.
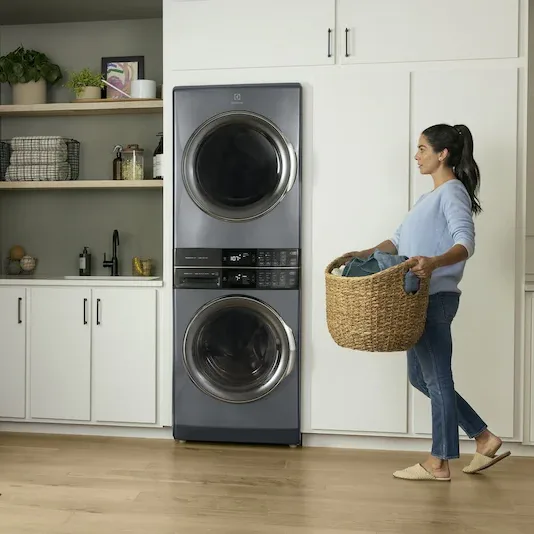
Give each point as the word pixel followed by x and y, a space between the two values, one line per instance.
pixel 374 313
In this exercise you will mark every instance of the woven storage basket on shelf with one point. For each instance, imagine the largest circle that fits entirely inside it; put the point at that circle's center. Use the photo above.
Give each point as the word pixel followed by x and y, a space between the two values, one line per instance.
pixel 374 313
pixel 36 159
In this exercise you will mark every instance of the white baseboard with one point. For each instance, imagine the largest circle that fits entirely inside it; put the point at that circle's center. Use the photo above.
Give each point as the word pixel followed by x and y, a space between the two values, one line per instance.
pixel 397 444
pixel 308 440
pixel 87 430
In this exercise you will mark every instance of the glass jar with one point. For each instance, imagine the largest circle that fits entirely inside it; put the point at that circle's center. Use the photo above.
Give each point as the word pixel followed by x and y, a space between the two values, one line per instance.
pixel 141 266
pixel 133 163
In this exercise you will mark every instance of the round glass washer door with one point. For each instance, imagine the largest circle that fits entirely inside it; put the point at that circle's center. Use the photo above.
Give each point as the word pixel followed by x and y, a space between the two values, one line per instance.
pixel 238 349
pixel 238 166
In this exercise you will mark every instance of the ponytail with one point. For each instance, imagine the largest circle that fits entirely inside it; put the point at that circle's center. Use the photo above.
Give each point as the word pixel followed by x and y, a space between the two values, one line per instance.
pixel 459 143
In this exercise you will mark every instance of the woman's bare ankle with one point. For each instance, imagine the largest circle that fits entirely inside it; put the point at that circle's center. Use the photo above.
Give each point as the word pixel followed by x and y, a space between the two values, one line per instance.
pixel 487 443
pixel 437 467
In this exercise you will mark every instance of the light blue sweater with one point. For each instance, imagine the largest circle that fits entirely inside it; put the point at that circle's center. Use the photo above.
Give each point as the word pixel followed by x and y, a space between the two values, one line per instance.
pixel 439 220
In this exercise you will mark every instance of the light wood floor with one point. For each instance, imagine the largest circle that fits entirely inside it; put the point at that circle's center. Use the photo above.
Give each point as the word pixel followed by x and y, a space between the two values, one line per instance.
pixel 67 485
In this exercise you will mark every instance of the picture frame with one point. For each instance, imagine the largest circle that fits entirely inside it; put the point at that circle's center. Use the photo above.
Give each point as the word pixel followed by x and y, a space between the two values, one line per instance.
pixel 120 71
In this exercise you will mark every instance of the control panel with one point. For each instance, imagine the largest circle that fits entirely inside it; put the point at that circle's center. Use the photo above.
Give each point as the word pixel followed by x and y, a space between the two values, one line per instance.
pixel 227 278
pixel 249 258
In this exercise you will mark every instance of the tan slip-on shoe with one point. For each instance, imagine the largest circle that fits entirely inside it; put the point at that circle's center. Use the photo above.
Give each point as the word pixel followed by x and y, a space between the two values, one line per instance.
pixel 418 473
pixel 481 462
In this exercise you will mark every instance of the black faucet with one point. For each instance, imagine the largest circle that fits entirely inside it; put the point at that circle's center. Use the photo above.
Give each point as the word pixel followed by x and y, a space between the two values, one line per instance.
pixel 114 262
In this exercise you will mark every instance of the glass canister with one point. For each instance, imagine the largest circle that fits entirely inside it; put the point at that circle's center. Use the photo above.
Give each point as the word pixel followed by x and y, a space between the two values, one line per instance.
pixel 141 266
pixel 133 163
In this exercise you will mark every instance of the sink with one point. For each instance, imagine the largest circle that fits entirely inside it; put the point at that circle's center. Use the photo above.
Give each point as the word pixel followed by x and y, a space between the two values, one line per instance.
pixel 110 278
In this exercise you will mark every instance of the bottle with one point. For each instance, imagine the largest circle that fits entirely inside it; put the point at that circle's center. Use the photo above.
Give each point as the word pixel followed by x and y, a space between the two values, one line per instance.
pixel 117 163
pixel 85 262
pixel 158 159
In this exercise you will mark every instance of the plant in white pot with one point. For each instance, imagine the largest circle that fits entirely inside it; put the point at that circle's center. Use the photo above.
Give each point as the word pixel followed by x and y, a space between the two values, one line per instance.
pixel 86 84
pixel 28 72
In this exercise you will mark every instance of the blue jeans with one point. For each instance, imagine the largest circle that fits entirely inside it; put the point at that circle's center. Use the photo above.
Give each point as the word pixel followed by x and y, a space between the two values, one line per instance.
pixel 429 371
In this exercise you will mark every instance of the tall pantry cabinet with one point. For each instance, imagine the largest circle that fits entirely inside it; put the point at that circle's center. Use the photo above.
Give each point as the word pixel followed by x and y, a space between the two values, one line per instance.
pixel 374 74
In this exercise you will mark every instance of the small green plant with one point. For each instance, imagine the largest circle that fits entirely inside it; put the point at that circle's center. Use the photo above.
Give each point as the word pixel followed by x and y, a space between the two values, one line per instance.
pixel 78 81
pixel 23 66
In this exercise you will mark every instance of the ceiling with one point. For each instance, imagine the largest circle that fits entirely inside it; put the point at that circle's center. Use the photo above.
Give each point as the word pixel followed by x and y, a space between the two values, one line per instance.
pixel 50 11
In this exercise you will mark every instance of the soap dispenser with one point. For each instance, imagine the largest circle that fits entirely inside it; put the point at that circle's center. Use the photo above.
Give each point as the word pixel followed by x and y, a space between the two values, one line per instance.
pixel 117 163
pixel 85 262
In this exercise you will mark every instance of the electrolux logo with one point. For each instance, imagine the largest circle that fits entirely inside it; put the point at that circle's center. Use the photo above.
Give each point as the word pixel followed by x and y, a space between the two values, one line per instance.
pixel 237 99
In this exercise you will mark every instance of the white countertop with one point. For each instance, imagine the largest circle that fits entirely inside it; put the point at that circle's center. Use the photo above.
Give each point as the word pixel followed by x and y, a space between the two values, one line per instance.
pixel 94 281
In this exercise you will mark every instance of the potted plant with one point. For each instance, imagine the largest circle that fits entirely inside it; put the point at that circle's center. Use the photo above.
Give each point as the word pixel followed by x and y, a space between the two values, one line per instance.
pixel 86 84
pixel 28 72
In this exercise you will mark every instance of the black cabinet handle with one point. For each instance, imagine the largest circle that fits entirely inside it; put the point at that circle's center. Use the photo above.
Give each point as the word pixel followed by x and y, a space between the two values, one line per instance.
pixel 97 311
pixel 329 42
pixel 84 311
pixel 19 311
pixel 347 42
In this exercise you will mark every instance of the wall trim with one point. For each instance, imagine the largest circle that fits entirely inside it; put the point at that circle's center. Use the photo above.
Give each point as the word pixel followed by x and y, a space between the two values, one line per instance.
pixel 399 444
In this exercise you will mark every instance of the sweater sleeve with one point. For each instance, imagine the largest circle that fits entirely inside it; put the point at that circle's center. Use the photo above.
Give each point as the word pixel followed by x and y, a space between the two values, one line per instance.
pixel 396 237
pixel 456 205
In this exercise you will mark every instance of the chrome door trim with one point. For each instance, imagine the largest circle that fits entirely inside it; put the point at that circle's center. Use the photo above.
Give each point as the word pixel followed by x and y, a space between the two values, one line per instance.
pixel 287 161
pixel 286 359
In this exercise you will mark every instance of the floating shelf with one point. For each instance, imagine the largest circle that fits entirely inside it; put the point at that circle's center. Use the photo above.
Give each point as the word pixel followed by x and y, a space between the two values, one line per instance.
pixel 96 107
pixel 85 184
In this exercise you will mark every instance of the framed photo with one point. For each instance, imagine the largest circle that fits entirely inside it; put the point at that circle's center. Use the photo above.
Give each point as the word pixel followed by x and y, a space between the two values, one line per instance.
pixel 120 71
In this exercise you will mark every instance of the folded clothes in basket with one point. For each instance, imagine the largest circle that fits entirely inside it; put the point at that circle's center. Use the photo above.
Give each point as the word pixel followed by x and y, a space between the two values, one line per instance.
pixel 38 173
pixel 39 157
pixel 376 262
pixel 38 143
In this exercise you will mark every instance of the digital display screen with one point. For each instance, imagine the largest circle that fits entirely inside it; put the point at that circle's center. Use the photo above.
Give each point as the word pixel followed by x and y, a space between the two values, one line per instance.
pixel 243 258
pixel 240 278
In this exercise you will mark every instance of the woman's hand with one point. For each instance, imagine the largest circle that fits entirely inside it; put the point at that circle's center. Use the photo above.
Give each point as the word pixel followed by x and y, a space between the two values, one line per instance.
pixel 423 266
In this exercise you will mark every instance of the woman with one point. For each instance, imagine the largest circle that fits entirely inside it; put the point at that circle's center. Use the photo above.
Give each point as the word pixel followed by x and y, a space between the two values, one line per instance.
pixel 438 236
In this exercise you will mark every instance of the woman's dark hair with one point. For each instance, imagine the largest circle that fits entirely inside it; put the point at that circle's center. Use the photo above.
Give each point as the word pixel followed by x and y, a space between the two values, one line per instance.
pixel 459 142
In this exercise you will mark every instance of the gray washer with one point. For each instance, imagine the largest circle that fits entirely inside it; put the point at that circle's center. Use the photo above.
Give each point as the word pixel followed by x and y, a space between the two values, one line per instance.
pixel 237 166
pixel 220 396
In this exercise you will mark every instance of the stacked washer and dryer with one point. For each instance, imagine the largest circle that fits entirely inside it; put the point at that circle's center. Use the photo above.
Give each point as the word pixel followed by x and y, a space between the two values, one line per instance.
pixel 237 224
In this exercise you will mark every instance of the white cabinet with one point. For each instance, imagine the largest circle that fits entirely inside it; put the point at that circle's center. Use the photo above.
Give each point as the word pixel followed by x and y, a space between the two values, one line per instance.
pixel 60 353
pixel 232 34
pixel 124 355
pixel 360 194
pixel 484 329
pixel 92 354
pixel 13 352
pixel 375 31
pixel 221 34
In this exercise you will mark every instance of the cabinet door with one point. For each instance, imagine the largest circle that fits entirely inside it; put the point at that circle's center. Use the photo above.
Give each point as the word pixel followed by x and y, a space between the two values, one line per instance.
pixel 60 353
pixel 423 30
pixel 124 355
pixel 13 352
pixel 223 34
pixel 484 329
pixel 360 195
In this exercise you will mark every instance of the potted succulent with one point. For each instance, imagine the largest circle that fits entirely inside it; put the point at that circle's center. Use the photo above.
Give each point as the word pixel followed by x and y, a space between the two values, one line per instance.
pixel 28 72
pixel 86 84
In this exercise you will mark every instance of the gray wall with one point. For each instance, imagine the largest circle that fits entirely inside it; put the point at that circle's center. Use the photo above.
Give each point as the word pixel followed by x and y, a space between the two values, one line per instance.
pixel 55 225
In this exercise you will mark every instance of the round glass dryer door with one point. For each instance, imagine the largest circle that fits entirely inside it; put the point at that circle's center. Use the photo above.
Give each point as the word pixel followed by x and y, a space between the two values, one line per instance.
pixel 238 349
pixel 238 166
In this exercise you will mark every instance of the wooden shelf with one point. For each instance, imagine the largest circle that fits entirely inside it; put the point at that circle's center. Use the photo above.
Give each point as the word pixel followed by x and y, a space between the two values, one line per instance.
pixel 85 184
pixel 103 107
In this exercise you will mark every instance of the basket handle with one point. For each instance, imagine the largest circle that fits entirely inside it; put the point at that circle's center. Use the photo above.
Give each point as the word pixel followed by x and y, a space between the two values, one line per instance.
pixel 423 282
